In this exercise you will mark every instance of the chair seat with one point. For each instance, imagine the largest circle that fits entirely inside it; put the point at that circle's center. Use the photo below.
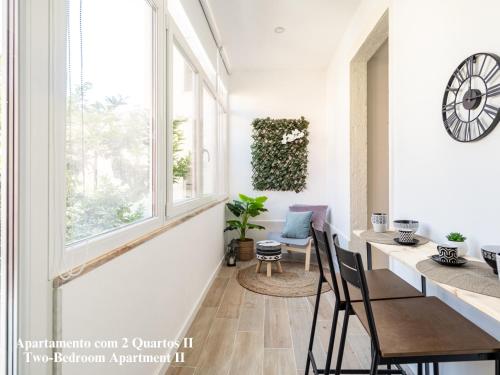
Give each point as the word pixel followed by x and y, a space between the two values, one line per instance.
pixel 382 284
pixel 297 242
pixel 424 327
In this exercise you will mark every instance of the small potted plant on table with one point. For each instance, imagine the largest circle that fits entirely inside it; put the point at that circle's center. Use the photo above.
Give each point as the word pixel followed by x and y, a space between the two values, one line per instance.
pixel 457 239
pixel 243 210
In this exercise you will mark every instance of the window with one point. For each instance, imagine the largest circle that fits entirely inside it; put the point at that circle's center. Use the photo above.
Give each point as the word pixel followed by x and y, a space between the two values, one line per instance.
pixel 210 141
pixel 189 35
pixel 183 128
pixel 195 132
pixel 109 147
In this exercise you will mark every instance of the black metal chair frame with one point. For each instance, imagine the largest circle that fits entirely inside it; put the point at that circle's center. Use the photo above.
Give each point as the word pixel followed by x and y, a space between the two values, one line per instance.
pixel 340 305
pixel 352 272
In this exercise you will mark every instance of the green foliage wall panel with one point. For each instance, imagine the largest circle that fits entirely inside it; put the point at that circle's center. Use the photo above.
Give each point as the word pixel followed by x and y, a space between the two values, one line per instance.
pixel 279 154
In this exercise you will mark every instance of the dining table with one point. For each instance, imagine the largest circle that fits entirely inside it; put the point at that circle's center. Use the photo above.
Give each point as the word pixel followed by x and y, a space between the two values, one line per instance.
pixel 483 310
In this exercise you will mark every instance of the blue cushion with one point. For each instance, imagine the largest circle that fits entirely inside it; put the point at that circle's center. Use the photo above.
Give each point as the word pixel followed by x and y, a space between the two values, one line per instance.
pixel 296 242
pixel 297 224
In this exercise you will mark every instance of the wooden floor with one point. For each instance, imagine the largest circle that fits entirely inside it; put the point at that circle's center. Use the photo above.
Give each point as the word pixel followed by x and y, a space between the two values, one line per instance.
pixel 237 331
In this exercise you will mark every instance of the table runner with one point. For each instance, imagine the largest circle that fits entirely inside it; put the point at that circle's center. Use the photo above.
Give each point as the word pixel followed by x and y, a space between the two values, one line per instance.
pixel 473 276
pixel 387 238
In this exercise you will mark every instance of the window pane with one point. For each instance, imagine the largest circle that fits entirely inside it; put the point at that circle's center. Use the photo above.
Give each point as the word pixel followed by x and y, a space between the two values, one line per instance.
pixel 209 142
pixel 188 32
pixel 109 174
pixel 183 142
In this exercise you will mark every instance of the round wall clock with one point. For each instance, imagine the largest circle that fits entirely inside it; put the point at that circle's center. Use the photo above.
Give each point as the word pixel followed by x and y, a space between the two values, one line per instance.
pixel 471 102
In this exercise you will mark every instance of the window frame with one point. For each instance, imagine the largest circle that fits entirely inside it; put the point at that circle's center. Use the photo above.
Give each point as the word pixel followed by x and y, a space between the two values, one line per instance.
pixel 64 257
pixel 165 33
pixel 173 209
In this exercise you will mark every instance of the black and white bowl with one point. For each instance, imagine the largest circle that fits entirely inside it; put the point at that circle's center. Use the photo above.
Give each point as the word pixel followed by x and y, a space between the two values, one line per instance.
pixel 406 225
pixel 489 253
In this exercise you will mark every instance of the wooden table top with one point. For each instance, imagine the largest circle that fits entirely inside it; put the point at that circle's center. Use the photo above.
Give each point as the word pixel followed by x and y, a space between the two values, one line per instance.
pixel 410 256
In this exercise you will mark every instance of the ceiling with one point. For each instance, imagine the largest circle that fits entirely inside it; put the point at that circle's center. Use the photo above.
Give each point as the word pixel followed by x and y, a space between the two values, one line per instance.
pixel 313 29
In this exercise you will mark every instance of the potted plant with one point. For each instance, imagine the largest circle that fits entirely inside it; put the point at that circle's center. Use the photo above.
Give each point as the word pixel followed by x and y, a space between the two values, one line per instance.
pixel 457 239
pixel 243 210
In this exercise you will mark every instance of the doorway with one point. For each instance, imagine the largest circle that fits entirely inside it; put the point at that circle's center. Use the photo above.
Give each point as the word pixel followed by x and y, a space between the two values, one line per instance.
pixel 358 132
pixel 378 132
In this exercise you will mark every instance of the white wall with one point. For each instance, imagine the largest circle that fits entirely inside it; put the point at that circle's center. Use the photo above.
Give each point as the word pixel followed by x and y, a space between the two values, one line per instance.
pixel 458 188
pixel 149 292
pixel 444 184
pixel 277 94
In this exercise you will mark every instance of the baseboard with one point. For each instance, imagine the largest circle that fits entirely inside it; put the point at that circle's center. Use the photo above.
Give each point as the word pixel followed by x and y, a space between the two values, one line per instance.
pixel 162 370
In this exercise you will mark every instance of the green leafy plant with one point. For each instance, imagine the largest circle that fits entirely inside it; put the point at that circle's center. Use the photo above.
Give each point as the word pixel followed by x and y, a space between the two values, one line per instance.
pixel 181 164
pixel 244 209
pixel 456 237
pixel 279 154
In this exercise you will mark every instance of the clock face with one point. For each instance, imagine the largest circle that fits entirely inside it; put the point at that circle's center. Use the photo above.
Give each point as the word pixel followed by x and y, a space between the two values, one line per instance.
pixel 471 103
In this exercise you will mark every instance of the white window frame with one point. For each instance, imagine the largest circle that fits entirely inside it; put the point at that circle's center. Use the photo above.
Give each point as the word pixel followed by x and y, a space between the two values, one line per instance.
pixel 64 257
pixel 173 209
pixel 165 33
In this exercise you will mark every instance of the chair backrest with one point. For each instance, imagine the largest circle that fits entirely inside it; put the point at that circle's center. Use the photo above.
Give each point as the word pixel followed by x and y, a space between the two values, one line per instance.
pixel 325 259
pixel 319 213
pixel 353 273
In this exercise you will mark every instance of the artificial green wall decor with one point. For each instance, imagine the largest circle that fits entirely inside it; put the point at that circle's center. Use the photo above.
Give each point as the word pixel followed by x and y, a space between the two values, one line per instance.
pixel 279 154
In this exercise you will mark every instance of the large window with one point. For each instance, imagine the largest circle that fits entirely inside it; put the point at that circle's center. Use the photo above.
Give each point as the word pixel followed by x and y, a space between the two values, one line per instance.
pixel 109 116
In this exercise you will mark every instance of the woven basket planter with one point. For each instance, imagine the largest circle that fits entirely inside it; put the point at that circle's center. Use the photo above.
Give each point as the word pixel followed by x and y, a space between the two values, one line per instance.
pixel 246 249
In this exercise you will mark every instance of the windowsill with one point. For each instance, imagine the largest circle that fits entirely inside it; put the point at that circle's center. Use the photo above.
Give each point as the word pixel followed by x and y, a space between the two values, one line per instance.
pixel 108 256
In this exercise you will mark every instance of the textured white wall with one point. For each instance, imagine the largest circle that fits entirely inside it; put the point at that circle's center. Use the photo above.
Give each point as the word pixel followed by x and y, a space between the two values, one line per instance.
pixel 277 94
pixel 149 292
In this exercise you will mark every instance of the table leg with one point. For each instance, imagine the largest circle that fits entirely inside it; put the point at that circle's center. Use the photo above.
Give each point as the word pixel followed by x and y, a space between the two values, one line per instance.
pixel 268 269
pixel 369 255
pixel 424 285
pixel 280 269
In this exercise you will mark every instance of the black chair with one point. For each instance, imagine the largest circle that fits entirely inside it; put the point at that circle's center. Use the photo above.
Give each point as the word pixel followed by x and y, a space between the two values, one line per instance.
pixel 383 284
pixel 410 330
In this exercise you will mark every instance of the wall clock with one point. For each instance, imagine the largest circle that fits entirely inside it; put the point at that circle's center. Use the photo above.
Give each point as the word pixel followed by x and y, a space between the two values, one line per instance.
pixel 471 102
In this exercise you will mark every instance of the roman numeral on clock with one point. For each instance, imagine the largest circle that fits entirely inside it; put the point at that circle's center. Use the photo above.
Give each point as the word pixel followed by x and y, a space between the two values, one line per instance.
pixel 451 120
pixel 457 129
pixel 449 107
pixel 491 73
pixel 480 125
pixel 467 136
pixel 493 90
pixel 491 110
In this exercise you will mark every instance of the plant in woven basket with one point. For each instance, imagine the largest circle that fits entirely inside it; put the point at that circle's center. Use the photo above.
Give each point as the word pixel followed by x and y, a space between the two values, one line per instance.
pixel 243 210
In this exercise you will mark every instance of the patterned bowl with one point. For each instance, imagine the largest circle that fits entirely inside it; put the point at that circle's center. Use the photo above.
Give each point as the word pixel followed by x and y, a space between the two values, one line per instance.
pixel 490 256
pixel 406 224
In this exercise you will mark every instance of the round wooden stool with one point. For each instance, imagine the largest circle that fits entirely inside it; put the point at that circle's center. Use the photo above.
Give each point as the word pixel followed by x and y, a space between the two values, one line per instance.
pixel 269 252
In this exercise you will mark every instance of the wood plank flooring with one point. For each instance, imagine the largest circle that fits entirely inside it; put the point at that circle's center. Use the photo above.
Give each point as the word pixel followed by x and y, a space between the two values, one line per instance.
pixel 240 332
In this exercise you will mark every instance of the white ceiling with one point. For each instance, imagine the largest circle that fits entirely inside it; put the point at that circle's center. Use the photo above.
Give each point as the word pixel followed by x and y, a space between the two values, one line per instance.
pixel 313 29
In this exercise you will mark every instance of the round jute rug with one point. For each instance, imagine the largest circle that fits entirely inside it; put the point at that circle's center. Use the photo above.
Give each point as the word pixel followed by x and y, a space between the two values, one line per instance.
pixel 295 281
